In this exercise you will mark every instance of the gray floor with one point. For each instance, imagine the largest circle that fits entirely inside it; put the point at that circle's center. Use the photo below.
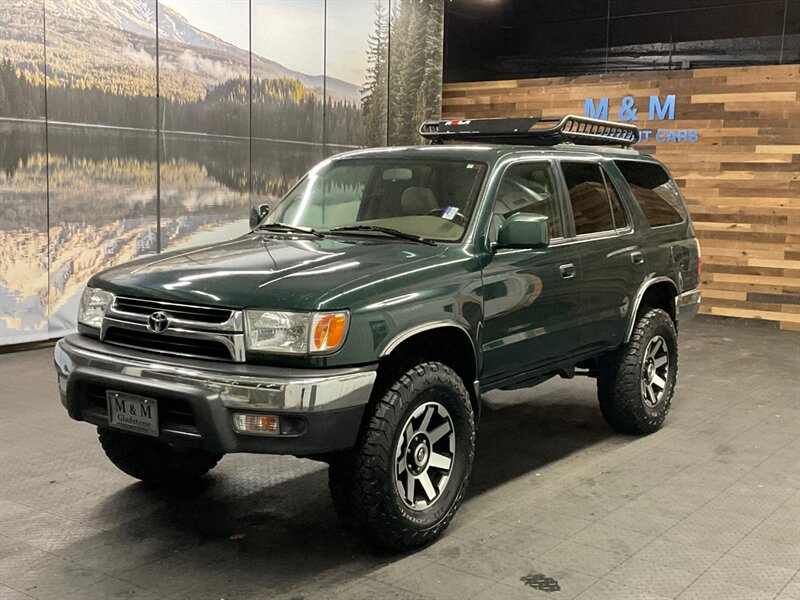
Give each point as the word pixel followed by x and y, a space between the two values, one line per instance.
pixel 560 507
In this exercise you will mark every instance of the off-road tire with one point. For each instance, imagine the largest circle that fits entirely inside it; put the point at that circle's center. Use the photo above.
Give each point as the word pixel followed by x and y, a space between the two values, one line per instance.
pixel 364 483
pixel 154 462
pixel 620 373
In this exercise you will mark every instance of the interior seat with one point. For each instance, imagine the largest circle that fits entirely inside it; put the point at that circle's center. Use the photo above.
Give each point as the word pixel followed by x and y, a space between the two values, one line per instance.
pixel 418 201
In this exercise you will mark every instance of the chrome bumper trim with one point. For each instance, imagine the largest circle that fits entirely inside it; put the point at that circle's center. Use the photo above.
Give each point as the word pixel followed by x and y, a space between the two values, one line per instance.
pixel 251 387
pixel 687 304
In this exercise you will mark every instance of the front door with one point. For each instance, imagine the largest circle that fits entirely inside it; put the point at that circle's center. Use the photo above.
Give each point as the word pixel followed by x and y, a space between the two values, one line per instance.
pixel 531 296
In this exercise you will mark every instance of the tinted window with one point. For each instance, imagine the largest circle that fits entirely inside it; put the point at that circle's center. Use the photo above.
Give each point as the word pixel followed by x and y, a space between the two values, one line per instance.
pixel 656 193
pixel 527 188
pixel 588 196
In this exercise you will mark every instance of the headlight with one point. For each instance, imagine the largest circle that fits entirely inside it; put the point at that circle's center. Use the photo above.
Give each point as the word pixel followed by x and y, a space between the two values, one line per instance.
pixel 93 306
pixel 293 332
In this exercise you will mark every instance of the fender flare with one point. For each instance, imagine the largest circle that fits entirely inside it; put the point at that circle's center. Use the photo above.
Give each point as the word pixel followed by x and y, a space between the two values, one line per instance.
pixel 422 328
pixel 637 300
pixel 472 386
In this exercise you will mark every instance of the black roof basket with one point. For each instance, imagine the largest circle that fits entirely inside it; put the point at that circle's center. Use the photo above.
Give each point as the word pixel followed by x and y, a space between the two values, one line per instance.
pixel 532 131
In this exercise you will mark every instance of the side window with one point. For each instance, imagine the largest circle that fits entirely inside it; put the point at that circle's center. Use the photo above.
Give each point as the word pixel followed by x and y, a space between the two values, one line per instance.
pixel 527 188
pixel 655 192
pixel 590 199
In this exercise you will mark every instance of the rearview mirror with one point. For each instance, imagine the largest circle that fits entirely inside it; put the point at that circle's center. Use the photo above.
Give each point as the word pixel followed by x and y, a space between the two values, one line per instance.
pixel 397 174
pixel 524 230
pixel 257 214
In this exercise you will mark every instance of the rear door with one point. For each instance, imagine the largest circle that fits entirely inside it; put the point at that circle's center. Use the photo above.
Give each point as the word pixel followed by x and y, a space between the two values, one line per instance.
pixel 670 249
pixel 531 296
pixel 612 259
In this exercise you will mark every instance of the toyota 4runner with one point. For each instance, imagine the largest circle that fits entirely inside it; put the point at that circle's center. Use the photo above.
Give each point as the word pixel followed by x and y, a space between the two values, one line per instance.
pixel 361 318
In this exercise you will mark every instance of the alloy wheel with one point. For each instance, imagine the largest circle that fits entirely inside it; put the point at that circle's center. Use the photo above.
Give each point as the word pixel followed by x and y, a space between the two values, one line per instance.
pixel 425 455
pixel 655 371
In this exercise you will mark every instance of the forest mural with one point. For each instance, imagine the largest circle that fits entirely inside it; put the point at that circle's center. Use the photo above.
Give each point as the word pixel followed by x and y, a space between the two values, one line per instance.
pixel 134 126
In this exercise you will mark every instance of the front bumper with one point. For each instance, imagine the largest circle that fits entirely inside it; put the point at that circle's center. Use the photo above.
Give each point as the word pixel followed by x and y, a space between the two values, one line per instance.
pixel 322 409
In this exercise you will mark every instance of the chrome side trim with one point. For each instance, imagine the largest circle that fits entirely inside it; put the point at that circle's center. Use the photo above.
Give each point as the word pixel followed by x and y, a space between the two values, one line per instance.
pixel 412 331
pixel 257 388
pixel 637 300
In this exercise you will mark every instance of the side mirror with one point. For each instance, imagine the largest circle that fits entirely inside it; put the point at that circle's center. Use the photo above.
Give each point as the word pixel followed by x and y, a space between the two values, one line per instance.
pixel 257 214
pixel 524 230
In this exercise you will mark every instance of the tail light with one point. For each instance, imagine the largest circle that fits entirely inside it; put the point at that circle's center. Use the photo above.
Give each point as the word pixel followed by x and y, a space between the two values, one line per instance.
pixel 699 258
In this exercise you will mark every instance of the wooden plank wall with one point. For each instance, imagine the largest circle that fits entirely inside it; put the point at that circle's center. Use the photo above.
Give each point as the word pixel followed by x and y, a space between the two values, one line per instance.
pixel 741 180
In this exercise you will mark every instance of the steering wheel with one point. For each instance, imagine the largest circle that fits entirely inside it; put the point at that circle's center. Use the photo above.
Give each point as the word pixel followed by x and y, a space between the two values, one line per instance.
pixel 458 218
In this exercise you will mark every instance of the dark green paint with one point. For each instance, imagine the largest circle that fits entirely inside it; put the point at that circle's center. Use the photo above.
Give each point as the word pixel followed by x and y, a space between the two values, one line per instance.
pixel 521 315
pixel 524 231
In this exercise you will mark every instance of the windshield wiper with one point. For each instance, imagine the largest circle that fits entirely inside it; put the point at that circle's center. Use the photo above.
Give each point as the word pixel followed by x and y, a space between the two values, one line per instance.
pixel 287 227
pixel 387 230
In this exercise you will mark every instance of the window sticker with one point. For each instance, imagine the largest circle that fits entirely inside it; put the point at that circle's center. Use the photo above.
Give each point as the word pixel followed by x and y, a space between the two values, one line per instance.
pixel 450 212
pixel 471 166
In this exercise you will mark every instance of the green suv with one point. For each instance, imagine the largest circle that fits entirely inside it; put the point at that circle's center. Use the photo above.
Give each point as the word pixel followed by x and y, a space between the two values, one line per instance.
pixel 362 317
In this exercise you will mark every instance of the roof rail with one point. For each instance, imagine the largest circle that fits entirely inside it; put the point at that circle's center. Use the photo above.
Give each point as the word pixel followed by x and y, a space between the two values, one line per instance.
pixel 529 131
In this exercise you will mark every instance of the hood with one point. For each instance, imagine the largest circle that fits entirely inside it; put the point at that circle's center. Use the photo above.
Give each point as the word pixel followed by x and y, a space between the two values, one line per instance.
pixel 265 271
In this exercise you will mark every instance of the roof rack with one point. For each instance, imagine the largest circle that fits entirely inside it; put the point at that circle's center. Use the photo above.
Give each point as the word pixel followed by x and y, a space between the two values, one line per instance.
pixel 532 131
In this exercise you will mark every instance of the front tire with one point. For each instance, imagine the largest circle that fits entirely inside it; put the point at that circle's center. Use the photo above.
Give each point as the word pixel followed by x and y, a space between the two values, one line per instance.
pixel 404 481
pixel 635 384
pixel 154 462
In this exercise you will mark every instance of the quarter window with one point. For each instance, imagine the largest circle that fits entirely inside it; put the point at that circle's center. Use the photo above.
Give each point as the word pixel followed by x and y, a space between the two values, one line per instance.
pixel 527 188
pixel 595 205
pixel 655 192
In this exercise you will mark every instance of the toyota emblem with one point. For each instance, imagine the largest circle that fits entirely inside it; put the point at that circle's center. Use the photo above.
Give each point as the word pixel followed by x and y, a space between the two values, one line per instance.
pixel 158 322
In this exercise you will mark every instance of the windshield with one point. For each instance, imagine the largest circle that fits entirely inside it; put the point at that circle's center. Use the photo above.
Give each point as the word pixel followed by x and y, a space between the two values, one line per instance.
pixel 432 199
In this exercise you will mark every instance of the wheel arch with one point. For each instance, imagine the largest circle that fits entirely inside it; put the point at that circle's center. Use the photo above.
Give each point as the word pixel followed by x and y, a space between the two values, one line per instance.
pixel 656 292
pixel 447 342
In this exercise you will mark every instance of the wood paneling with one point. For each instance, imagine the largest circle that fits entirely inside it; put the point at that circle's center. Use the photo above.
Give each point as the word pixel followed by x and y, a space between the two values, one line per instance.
pixel 741 179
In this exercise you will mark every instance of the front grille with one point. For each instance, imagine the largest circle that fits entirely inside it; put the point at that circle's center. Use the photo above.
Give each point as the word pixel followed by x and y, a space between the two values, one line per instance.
pixel 184 312
pixel 193 331
pixel 173 414
pixel 171 344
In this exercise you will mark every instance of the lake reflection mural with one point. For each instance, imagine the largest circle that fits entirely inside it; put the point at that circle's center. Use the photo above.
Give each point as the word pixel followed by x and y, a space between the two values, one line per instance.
pixel 166 121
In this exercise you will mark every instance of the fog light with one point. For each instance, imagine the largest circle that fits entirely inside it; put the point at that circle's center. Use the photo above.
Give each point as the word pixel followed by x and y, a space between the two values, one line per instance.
pixel 257 424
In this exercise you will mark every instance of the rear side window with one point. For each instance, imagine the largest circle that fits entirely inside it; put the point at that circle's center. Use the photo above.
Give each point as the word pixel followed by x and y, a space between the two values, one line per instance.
pixel 595 206
pixel 655 192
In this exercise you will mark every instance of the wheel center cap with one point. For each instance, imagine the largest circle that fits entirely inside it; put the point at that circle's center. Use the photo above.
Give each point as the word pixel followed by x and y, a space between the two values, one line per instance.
pixel 650 370
pixel 421 455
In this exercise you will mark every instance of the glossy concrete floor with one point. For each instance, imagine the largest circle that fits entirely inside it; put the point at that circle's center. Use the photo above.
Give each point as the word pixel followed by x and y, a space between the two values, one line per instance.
pixel 560 507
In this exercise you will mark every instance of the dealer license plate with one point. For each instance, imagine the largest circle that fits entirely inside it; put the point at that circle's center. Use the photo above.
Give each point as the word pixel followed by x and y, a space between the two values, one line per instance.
pixel 132 413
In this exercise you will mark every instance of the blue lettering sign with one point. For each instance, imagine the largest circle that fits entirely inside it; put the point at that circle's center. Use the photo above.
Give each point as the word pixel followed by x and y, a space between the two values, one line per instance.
pixel 657 110
pixel 664 111
pixel 596 112
pixel 627 112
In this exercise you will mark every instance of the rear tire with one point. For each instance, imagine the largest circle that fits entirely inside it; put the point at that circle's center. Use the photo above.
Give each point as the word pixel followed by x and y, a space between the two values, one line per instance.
pixel 635 383
pixel 154 462
pixel 405 479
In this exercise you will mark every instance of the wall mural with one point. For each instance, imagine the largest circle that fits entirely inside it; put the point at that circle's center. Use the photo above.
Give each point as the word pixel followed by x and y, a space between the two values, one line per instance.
pixel 24 273
pixel 97 170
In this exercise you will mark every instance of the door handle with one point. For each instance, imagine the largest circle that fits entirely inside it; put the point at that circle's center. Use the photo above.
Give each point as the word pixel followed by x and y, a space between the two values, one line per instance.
pixel 637 258
pixel 567 271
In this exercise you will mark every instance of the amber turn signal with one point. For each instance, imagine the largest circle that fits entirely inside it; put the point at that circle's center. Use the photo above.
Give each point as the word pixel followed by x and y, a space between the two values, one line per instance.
pixel 256 424
pixel 328 331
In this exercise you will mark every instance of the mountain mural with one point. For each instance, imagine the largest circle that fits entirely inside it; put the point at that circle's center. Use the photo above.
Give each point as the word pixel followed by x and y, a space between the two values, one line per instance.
pixel 110 45
pixel 108 172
